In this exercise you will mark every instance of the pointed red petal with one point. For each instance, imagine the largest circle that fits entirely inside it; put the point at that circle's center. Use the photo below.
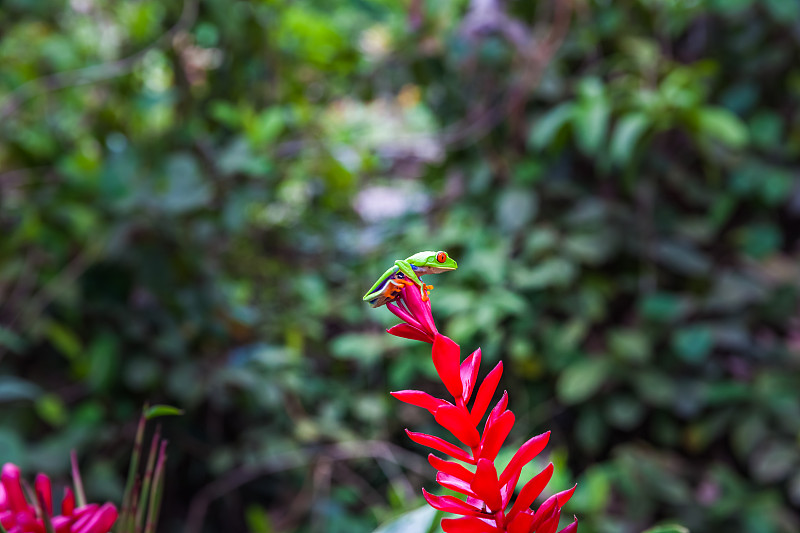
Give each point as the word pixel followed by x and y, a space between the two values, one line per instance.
pixel 469 374
pixel 572 528
pixel 560 498
pixel 551 504
pixel 10 478
pixel 531 490
pixel 408 331
pixel 521 523
pixel 468 524
pixel 68 503
pixel 449 467
pixel 441 445
pixel 495 435
pixel 44 490
pixel 446 359
pixel 485 393
pixel 101 521
pixel 549 525
pixel 507 490
pixel 456 421
pixel 524 455
pixel 450 504
pixel 420 399
pixel 454 483
pixel 498 410
pixel 486 485
pixel 544 513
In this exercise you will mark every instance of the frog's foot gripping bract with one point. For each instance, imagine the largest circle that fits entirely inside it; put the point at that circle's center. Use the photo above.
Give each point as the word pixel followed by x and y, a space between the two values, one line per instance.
pixel 393 289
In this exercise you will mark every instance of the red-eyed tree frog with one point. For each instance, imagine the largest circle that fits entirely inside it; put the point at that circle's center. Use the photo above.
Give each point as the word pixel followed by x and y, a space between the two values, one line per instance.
pixel 407 271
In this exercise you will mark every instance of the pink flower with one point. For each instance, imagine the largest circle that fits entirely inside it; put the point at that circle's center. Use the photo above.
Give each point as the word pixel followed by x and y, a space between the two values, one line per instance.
pixel 18 515
pixel 487 505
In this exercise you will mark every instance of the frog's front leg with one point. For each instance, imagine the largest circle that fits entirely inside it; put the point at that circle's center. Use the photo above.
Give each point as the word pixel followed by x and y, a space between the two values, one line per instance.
pixel 406 268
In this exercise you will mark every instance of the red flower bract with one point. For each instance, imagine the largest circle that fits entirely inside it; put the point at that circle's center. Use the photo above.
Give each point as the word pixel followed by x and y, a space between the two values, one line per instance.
pixel 488 491
pixel 18 515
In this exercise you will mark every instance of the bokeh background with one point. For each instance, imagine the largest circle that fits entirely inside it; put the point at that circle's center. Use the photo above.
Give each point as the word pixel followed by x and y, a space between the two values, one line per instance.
pixel 195 195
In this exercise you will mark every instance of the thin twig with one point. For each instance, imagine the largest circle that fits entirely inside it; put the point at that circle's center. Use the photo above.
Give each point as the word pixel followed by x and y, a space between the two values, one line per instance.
pixel 322 488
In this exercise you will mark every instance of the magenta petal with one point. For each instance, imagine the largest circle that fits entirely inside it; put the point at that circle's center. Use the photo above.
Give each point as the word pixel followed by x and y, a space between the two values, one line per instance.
pixel 102 520
pixel 10 477
pixel 408 331
pixel 419 309
pixel 44 491
pixel 61 523
pixel 403 315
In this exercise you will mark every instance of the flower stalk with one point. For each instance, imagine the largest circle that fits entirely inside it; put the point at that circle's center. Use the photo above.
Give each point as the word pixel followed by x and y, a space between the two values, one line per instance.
pixel 485 506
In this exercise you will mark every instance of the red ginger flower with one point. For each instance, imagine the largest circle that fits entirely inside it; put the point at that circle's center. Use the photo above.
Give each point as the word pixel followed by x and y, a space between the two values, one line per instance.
pixel 488 492
pixel 17 515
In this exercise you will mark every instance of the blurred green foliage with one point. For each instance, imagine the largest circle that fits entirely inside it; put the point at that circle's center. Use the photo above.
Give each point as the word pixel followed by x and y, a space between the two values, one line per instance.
pixel 193 214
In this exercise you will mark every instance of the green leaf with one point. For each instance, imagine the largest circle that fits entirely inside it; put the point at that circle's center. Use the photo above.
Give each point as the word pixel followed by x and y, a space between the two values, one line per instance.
pixel 64 340
pixel 783 10
pixel 10 340
pixel 682 257
pixel 662 307
pixel 550 272
pixel 629 130
pixel 766 128
pixel 258 520
pixel 545 129
pixel 590 123
pixel 720 124
pixel 774 462
pixel 693 344
pixel 157 411
pixel 14 389
pixel 624 412
pixel 364 347
pixel 516 208
pixel 630 344
pixel 418 521
pixel 52 410
pixel 582 379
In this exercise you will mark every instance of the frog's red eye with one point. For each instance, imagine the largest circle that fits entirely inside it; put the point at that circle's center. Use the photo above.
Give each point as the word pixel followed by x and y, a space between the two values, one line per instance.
pixel 441 257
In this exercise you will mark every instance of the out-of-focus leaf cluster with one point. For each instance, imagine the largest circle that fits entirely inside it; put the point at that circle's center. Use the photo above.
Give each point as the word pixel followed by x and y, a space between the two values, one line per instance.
pixel 196 225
